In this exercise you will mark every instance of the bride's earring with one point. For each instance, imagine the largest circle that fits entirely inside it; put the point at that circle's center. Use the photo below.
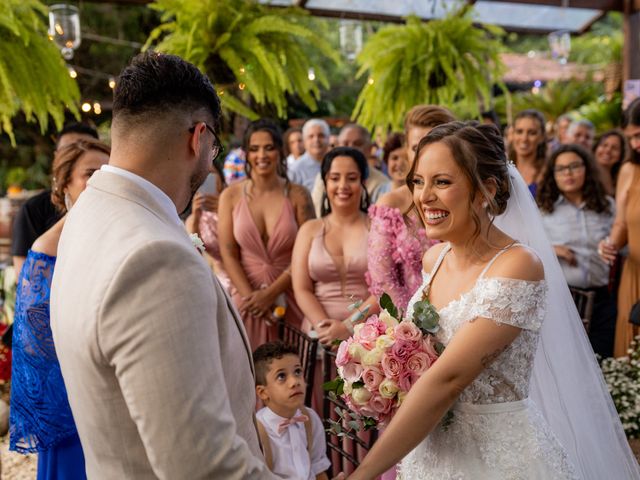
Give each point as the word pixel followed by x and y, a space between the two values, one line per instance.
pixel 68 203
pixel 485 204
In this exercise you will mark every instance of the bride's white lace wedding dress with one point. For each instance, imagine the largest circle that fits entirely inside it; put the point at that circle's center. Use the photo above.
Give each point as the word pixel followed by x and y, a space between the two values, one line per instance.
pixel 496 431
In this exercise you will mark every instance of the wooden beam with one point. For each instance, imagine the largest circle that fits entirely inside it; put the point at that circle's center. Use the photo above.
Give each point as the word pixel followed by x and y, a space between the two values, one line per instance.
pixel 631 42
pixel 605 5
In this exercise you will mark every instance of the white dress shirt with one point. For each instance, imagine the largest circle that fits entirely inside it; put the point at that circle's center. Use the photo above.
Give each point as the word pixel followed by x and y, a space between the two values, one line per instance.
pixel 580 229
pixel 158 195
pixel 291 458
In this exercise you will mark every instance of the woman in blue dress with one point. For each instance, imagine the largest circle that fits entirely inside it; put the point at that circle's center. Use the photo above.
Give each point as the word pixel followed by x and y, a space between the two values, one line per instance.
pixel 40 417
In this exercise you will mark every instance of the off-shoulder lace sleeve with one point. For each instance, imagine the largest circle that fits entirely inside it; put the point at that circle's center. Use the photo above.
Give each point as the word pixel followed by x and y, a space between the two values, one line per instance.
pixel 395 255
pixel 519 303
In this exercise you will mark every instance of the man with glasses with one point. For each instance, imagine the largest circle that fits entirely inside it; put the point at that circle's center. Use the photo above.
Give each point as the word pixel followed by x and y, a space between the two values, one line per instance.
pixel 155 360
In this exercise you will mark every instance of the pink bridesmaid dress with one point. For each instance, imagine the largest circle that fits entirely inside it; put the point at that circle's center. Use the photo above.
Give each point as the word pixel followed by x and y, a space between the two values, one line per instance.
pixel 263 264
pixel 336 291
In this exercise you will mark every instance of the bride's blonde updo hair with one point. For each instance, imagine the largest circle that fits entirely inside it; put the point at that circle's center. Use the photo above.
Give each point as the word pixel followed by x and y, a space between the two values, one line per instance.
pixel 478 150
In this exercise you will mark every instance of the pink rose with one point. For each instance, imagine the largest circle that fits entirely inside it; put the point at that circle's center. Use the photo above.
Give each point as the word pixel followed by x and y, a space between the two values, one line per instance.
pixel 402 349
pixel 430 349
pixel 406 380
pixel 375 321
pixel 391 366
pixel 372 376
pixel 351 372
pixel 408 332
pixel 367 336
pixel 380 405
pixel 343 357
pixel 418 363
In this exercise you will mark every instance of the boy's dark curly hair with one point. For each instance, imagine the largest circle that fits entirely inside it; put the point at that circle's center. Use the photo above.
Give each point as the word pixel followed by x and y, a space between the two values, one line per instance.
pixel 265 354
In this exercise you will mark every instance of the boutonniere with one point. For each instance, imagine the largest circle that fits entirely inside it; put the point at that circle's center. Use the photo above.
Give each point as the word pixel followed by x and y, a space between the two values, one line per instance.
pixel 197 242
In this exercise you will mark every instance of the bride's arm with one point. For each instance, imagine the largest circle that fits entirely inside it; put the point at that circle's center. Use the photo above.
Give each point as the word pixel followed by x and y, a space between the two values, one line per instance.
pixel 471 350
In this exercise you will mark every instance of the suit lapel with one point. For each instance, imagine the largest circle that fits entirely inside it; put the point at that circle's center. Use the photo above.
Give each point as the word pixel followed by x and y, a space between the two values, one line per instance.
pixel 239 323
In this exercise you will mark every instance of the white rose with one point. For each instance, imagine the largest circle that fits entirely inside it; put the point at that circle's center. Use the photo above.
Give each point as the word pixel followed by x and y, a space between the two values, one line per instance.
pixel 347 388
pixel 383 342
pixel 357 351
pixel 360 396
pixel 372 357
pixel 388 320
pixel 388 388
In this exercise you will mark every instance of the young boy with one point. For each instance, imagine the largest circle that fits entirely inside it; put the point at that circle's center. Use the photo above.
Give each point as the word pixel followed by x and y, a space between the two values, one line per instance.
pixel 292 436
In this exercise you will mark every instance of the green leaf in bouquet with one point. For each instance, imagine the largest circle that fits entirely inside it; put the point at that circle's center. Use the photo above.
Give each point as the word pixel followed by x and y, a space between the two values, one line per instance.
pixel 387 304
pixel 358 384
pixel 439 348
pixel 335 386
pixel 336 342
pixel 354 424
pixel 426 317
pixel 369 423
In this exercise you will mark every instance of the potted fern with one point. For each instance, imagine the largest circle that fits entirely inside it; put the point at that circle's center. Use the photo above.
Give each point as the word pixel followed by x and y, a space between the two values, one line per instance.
pixel 439 62
pixel 33 77
pixel 249 50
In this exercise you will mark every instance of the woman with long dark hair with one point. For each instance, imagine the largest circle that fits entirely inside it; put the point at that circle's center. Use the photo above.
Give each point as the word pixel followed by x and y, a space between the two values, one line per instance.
pixel 528 147
pixel 258 221
pixel 610 151
pixel 577 214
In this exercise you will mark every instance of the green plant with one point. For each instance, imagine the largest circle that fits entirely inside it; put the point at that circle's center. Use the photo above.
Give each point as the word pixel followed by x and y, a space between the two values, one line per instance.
pixel 16 176
pixel 622 376
pixel 246 48
pixel 33 76
pixel 604 114
pixel 437 62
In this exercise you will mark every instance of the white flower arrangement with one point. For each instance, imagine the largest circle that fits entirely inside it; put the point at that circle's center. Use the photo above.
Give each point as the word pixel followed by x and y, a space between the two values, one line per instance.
pixel 197 242
pixel 622 376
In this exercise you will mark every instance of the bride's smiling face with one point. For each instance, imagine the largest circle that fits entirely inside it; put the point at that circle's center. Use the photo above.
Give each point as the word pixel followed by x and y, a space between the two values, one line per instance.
pixel 442 193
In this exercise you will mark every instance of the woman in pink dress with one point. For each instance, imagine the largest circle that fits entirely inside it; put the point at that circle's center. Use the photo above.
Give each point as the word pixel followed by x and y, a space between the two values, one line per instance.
pixel 258 221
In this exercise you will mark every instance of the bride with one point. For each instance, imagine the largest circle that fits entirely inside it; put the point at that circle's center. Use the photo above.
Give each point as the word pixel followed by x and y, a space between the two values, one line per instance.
pixel 518 375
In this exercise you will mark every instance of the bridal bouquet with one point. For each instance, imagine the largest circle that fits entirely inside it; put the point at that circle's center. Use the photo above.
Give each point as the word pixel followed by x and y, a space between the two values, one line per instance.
pixel 379 364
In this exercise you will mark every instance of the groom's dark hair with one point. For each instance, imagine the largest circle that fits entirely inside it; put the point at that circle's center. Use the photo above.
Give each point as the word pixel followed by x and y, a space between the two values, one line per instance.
pixel 157 84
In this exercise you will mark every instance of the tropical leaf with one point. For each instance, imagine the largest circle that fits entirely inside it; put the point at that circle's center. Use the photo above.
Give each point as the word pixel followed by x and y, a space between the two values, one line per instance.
pixel 33 77
pixel 245 44
pixel 438 62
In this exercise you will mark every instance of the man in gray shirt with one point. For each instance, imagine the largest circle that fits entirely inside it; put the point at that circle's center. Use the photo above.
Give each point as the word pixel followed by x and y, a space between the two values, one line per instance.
pixel 315 136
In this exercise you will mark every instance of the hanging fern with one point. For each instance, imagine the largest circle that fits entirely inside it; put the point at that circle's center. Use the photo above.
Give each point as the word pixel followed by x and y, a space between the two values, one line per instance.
pixel 33 76
pixel 246 49
pixel 436 62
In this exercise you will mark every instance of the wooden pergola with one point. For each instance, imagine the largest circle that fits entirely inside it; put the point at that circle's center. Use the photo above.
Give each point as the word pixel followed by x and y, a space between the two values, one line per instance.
pixel 398 10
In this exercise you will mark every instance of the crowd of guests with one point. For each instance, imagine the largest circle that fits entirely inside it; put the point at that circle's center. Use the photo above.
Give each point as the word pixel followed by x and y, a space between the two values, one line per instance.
pixel 298 231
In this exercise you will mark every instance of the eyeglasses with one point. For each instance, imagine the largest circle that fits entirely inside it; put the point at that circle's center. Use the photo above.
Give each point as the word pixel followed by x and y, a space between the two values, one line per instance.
pixel 572 167
pixel 217 148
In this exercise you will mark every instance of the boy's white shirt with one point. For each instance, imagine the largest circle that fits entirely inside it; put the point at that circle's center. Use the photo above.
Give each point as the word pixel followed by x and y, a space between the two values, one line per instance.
pixel 291 459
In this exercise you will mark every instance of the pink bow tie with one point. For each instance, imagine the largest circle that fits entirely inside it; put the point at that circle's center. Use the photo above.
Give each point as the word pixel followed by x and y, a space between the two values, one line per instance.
pixel 283 425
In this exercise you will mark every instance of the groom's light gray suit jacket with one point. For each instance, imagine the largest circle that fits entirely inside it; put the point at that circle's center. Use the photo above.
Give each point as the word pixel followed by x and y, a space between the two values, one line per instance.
pixel 154 357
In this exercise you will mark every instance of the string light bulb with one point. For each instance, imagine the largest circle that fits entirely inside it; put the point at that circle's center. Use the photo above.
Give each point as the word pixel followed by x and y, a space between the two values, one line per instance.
pixel 370 81
pixel 86 107
pixel 241 86
pixel 312 74
pixel 97 108
pixel 72 72
pixel 112 82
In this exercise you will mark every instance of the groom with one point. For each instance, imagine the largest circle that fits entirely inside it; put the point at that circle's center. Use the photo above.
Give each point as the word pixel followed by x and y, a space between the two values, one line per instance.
pixel 155 360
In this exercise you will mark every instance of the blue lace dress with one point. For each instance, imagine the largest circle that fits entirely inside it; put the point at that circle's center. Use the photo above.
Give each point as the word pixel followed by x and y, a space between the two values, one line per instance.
pixel 40 416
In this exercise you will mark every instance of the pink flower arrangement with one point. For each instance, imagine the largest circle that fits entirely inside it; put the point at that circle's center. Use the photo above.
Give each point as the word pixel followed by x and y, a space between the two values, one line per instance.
pixel 395 249
pixel 380 363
